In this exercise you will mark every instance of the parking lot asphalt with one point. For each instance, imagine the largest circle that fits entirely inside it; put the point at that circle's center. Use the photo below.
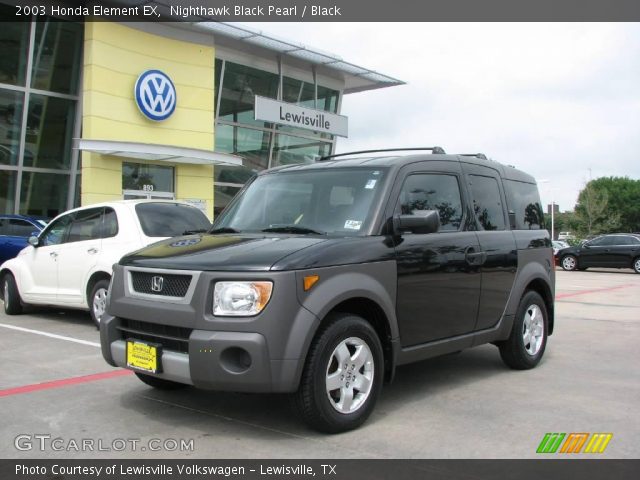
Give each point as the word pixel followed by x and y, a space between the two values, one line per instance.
pixel 54 384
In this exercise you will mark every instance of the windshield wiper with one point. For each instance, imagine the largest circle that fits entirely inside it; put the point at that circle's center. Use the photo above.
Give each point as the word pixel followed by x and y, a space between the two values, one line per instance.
pixel 224 230
pixel 191 232
pixel 292 229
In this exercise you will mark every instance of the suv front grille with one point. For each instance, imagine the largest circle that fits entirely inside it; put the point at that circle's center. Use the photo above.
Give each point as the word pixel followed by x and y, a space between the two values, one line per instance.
pixel 162 284
pixel 170 337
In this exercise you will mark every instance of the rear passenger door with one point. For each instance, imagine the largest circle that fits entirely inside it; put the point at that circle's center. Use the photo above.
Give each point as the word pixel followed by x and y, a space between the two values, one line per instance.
pixel 438 279
pixel 497 243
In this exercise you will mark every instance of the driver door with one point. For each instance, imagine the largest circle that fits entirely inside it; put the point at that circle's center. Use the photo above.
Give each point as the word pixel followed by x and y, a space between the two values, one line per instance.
pixel 39 282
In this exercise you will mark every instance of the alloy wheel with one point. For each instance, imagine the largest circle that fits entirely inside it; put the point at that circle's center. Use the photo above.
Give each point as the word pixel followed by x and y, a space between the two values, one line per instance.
pixel 532 329
pixel 350 375
pixel 99 303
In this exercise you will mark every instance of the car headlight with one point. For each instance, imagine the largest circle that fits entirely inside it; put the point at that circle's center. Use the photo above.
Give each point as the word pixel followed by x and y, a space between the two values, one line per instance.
pixel 240 298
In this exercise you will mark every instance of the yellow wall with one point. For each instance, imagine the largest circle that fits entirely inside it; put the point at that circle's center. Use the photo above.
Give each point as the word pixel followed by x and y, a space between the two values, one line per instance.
pixel 114 57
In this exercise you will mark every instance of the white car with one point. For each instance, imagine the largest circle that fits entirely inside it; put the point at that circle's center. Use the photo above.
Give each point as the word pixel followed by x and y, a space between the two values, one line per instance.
pixel 70 263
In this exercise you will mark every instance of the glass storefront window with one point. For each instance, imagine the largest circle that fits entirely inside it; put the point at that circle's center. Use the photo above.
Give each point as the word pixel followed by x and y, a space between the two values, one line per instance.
pixel 240 85
pixel 7 191
pixel 252 145
pixel 298 92
pixel 49 132
pixel 289 150
pixel 328 99
pixel 10 125
pixel 56 56
pixel 43 193
pixel 150 178
pixel 14 41
pixel 222 196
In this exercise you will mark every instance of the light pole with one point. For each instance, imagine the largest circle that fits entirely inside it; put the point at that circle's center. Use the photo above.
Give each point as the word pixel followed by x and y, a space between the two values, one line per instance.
pixel 553 208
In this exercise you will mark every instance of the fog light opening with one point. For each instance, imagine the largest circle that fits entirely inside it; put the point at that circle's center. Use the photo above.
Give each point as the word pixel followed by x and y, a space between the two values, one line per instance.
pixel 235 360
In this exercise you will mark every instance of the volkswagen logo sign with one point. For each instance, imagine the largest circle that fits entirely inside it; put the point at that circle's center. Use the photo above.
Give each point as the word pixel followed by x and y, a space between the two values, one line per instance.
pixel 155 95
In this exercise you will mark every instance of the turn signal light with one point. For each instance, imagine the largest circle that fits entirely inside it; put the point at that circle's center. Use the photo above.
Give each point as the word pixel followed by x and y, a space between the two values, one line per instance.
pixel 310 281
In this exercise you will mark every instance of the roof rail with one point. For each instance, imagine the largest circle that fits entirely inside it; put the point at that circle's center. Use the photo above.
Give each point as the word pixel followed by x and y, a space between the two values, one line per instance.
pixel 478 155
pixel 434 150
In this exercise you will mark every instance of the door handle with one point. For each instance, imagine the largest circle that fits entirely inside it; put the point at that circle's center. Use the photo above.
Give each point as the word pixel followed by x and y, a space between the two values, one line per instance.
pixel 92 251
pixel 53 255
pixel 474 258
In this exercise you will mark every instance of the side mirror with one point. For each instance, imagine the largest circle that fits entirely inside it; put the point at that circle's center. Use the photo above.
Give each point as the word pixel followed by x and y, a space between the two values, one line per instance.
pixel 421 221
pixel 33 241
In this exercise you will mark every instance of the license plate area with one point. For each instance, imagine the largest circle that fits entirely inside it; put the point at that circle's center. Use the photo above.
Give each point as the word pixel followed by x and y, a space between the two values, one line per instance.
pixel 144 356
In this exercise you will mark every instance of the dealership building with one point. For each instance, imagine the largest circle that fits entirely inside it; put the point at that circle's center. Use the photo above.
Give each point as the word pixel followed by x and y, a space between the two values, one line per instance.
pixel 100 111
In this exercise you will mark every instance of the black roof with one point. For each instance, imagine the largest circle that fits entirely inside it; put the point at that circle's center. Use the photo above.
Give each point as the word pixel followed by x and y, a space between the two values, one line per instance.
pixel 398 161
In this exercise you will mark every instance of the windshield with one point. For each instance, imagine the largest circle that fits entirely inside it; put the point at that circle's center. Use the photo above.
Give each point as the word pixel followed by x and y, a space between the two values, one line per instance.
pixel 334 202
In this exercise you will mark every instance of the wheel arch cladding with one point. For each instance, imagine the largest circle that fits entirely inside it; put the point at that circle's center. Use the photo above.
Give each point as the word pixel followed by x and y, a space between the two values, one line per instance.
pixel 366 290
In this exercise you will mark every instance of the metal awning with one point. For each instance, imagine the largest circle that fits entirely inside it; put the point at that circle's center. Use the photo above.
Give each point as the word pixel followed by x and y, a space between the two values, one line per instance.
pixel 155 152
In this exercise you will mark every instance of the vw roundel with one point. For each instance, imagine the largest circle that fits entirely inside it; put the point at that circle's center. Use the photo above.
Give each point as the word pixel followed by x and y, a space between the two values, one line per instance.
pixel 155 95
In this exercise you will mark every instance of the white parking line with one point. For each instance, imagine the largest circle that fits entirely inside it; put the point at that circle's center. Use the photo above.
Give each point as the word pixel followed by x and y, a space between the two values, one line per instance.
pixel 51 335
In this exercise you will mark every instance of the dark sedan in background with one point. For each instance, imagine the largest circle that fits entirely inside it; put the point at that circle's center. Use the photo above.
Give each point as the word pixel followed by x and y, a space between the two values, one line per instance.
pixel 617 250
pixel 15 230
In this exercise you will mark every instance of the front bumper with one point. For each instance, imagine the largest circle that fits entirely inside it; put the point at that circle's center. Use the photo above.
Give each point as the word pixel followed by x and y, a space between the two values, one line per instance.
pixel 224 361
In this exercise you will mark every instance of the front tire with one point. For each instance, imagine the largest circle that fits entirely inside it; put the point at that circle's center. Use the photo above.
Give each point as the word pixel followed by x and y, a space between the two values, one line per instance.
pixel 569 263
pixel 636 264
pixel 98 301
pixel 160 383
pixel 525 346
pixel 342 377
pixel 11 296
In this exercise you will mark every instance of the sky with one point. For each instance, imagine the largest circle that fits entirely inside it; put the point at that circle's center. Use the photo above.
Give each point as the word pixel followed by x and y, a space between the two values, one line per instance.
pixel 560 101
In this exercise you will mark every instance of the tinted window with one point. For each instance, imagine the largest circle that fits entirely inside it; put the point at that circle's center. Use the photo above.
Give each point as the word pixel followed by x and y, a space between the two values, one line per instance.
pixel 21 228
pixel 523 200
pixel 109 223
pixel 486 202
pixel 624 240
pixel 433 192
pixel 4 226
pixel 601 242
pixel 170 219
pixel 86 225
pixel 57 231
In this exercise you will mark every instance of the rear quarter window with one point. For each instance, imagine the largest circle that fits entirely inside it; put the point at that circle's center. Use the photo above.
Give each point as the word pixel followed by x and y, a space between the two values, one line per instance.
pixel 170 219
pixel 524 203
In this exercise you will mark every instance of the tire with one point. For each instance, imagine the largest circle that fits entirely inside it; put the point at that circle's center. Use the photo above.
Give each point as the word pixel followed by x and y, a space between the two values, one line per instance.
pixel 350 339
pixel 11 296
pixel 569 263
pixel 522 351
pixel 97 301
pixel 636 264
pixel 160 383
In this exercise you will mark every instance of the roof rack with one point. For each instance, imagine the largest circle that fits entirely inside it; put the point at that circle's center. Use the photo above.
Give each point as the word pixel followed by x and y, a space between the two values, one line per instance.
pixel 478 155
pixel 434 150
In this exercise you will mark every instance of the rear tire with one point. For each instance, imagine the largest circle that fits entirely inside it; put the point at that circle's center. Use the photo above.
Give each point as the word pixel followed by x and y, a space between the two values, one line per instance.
pixel 342 377
pixel 569 263
pixel 98 301
pixel 11 296
pixel 160 383
pixel 525 346
pixel 636 264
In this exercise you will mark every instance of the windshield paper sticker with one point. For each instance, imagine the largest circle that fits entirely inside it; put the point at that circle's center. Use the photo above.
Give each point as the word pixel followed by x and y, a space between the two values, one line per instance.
pixel 352 224
pixel 371 183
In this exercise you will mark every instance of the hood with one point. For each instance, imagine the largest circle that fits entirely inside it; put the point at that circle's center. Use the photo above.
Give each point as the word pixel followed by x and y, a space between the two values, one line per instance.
pixel 223 252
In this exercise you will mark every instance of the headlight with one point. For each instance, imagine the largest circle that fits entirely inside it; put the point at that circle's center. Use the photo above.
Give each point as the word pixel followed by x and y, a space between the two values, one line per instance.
pixel 241 298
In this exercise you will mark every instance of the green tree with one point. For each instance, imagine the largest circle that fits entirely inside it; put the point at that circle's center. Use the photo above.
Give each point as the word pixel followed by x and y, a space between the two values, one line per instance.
pixel 609 204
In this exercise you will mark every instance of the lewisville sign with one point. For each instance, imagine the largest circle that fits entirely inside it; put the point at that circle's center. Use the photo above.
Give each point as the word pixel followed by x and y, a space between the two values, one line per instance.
pixel 283 113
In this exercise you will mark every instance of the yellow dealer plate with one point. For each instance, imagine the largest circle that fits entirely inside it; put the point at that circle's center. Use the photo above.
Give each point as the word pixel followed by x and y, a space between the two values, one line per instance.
pixel 143 356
